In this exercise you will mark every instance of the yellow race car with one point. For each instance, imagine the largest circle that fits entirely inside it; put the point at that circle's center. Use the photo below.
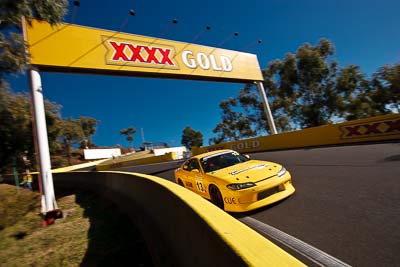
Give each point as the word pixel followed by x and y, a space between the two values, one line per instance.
pixel 233 181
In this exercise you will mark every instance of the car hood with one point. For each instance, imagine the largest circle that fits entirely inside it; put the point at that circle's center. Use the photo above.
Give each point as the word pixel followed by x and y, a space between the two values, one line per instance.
pixel 249 171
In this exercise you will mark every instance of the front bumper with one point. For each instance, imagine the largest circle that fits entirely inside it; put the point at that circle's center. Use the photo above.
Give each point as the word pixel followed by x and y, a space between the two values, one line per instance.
pixel 265 193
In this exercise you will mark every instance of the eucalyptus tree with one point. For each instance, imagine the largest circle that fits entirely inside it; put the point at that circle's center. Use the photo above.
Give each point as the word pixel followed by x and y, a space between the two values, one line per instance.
pixel 302 85
pixel 235 124
pixel 16 126
pixel 71 134
pixel 129 132
pixel 15 130
pixel 13 57
pixel 308 89
pixel 301 91
pixel 385 89
pixel 352 99
pixel 191 138
pixel 88 126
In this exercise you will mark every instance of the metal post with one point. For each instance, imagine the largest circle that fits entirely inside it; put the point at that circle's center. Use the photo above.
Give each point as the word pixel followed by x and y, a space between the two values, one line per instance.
pixel 48 200
pixel 15 172
pixel 267 110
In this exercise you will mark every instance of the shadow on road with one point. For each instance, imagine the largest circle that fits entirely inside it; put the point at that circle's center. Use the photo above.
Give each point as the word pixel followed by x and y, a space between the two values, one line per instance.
pixel 239 215
pixel 392 158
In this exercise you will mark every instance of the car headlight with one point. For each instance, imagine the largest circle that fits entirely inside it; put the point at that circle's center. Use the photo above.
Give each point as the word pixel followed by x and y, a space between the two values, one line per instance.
pixel 281 172
pixel 240 186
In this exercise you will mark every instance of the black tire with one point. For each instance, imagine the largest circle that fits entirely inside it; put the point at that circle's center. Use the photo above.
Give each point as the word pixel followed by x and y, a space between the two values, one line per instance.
pixel 216 196
pixel 180 182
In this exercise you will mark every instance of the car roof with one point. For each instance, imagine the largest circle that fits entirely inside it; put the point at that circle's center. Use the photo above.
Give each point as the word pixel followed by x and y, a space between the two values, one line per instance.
pixel 212 153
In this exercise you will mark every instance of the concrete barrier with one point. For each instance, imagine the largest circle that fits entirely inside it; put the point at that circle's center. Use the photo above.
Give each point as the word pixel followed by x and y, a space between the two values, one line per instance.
pixel 119 163
pixel 180 227
pixel 83 166
pixel 380 128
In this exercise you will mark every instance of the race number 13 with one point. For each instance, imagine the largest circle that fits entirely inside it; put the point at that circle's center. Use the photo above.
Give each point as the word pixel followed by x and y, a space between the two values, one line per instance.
pixel 200 186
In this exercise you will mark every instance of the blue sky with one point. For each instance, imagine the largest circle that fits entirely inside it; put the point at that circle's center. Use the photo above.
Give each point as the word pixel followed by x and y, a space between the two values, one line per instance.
pixel 365 33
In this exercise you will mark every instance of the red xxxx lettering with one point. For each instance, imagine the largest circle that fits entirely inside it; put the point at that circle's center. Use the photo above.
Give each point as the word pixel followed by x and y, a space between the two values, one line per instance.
pixel 119 51
pixel 353 130
pixel 138 51
pixel 372 128
pixel 393 126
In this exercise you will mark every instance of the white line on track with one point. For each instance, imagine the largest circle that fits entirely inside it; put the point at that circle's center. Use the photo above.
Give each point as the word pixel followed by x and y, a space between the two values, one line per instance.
pixel 313 254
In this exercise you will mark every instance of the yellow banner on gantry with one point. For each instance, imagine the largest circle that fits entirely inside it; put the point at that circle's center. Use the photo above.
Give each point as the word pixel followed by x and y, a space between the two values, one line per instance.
pixel 73 48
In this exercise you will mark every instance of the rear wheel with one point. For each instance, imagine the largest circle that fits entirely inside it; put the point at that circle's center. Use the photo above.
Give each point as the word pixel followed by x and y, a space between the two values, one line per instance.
pixel 216 196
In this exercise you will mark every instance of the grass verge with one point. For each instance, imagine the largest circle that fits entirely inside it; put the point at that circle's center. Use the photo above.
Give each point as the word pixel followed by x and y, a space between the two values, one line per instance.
pixel 92 232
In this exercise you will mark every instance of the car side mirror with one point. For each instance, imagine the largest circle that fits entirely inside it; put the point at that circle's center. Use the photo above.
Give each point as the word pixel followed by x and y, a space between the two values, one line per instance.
pixel 195 171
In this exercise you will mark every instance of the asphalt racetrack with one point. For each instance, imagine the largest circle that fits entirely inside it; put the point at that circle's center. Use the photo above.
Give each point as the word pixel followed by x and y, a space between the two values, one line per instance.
pixel 346 204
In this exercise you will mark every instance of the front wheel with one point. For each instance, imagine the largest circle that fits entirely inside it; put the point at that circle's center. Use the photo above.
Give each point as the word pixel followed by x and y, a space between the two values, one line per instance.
pixel 216 196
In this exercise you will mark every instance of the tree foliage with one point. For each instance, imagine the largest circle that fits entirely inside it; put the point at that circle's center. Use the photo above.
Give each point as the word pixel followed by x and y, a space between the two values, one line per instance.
pixel 129 132
pixel 88 126
pixel 13 56
pixel 15 119
pixel 191 138
pixel 308 89
pixel 71 133
pixel 234 124
pixel 15 130
pixel 302 85
pixel 16 134
pixel 385 88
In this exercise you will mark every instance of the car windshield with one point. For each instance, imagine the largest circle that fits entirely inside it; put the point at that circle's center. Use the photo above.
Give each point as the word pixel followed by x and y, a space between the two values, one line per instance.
pixel 223 160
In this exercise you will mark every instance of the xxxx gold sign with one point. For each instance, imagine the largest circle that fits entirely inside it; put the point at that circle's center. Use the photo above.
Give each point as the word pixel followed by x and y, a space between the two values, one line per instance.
pixel 73 48
pixel 379 128
pixel 125 52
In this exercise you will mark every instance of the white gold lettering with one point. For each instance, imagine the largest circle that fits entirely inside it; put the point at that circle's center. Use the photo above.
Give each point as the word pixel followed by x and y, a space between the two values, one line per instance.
pixel 189 62
pixel 205 62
